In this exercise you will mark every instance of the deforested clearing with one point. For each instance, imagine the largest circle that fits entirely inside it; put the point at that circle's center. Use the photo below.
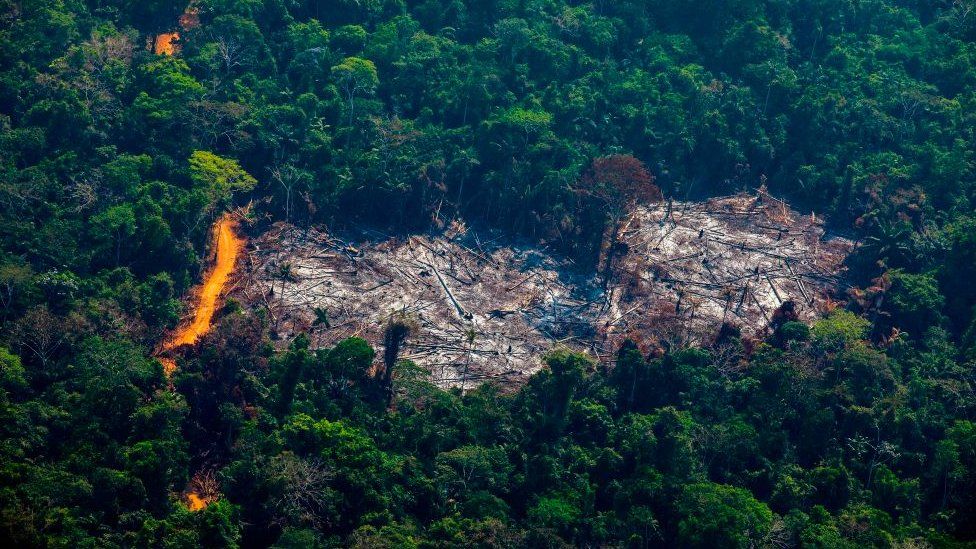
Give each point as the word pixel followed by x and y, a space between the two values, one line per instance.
pixel 489 310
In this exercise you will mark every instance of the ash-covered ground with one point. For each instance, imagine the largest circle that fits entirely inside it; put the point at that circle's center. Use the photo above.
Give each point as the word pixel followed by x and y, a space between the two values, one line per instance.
pixel 490 311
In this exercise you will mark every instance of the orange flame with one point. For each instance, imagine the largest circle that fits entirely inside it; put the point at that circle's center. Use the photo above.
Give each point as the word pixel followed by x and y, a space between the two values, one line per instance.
pixel 229 246
pixel 195 503
pixel 166 43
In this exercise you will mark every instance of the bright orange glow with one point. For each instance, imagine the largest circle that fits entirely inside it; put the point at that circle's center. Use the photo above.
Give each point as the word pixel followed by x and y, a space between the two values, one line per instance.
pixel 166 43
pixel 229 246
pixel 169 366
pixel 195 502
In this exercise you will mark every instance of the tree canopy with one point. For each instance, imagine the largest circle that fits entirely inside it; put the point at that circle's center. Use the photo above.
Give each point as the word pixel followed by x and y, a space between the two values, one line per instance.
pixel 545 122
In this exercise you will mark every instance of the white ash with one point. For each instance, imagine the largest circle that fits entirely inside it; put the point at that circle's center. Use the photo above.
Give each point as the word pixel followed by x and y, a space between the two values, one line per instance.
pixel 488 311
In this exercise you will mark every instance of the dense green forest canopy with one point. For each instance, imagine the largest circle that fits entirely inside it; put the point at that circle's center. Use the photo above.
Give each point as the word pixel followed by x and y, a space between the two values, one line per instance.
pixel 405 114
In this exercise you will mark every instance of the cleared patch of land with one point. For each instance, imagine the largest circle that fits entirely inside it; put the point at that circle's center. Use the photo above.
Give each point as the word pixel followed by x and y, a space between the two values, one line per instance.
pixel 489 311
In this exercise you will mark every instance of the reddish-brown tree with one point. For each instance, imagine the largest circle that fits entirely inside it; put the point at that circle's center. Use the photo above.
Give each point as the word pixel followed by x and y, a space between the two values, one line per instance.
pixel 618 183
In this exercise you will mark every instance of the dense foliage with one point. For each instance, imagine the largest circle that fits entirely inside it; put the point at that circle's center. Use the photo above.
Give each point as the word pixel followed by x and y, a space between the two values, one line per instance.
pixel 536 117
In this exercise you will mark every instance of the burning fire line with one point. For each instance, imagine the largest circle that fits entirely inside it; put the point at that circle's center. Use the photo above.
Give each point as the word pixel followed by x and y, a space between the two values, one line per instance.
pixel 229 246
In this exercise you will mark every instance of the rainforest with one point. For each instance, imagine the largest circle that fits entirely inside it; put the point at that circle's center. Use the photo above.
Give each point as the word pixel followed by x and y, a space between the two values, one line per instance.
pixel 488 273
